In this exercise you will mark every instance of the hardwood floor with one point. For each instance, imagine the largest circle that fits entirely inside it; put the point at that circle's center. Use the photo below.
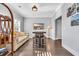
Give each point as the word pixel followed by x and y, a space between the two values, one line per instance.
pixel 26 49
pixel 59 50
pixel 54 48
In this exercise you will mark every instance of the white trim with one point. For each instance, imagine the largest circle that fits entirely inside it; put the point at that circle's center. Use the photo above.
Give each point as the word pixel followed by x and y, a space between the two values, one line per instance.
pixel 57 38
pixel 70 50
pixel 52 38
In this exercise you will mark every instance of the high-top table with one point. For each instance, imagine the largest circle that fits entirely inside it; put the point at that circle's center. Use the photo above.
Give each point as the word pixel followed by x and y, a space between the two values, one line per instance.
pixel 39 41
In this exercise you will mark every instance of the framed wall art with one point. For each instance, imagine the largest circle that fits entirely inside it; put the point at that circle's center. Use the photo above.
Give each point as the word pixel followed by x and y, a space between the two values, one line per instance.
pixel 38 26
pixel 75 20
pixel 71 10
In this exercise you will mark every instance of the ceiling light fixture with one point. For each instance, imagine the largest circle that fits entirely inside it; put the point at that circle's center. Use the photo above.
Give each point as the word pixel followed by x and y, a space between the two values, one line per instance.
pixel 34 8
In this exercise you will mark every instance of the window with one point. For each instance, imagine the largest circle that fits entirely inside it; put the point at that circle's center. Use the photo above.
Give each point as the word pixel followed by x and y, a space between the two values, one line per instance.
pixel 17 25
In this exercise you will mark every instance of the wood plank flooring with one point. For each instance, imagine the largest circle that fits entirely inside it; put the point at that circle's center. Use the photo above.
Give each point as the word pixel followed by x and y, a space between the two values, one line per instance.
pixel 53 49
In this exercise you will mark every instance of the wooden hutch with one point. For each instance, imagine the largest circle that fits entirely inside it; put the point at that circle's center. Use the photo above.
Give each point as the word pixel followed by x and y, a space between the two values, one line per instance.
pixel 5 31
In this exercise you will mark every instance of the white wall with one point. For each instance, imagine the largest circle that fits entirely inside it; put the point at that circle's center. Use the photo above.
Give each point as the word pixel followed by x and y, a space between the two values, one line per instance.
pixel 28 24
pixel 70 34
pixel 4 10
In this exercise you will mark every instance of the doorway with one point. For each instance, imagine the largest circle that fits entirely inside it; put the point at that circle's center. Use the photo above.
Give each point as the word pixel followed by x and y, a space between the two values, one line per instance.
pixel 58 31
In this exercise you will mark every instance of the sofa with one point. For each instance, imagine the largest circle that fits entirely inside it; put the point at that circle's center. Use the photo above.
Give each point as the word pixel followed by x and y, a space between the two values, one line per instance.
pixel 19 39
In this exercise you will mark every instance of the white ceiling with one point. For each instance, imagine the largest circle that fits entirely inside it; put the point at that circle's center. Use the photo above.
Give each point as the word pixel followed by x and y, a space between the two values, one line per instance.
pixel 44 9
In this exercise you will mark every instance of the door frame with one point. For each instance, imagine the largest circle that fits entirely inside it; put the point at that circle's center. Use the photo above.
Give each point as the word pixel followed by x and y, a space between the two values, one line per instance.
pixel 60 17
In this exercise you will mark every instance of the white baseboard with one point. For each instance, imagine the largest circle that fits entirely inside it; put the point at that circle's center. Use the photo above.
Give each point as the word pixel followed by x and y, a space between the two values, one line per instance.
pixel 70 50
pixel 52 38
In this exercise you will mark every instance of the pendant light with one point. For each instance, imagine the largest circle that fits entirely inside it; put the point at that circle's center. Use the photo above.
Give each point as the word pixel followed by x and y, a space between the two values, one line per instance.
pixel 34 8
